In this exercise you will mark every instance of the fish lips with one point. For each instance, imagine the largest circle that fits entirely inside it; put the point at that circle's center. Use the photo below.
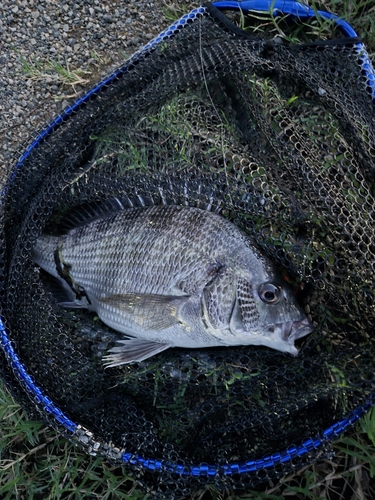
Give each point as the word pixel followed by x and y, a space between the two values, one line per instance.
pixel 288 333
pixel 294 330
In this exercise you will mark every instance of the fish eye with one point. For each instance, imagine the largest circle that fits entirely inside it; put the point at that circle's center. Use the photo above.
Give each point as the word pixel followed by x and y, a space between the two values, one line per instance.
pixel 269 293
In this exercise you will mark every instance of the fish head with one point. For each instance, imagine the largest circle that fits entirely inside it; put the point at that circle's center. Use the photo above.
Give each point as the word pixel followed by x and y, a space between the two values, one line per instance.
pixel 242 311
pixel 268 314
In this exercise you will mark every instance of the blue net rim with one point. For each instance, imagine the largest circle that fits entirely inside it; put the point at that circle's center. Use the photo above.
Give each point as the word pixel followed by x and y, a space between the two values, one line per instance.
pixel 45 404
pixel 155 465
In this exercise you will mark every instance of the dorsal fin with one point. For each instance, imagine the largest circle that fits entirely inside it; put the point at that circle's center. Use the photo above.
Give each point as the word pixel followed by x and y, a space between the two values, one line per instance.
pixel 89 212
pixel 193 194
pixel 82 215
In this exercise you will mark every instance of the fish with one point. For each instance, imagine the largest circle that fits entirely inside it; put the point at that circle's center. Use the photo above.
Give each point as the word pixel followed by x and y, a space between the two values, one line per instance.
pixel 172 276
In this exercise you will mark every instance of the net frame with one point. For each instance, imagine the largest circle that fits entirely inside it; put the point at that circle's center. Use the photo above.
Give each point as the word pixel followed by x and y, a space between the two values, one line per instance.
pixel 93 444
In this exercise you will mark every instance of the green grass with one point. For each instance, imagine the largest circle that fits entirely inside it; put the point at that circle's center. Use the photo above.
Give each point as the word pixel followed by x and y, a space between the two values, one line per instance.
pixel 359 13
pixel 54 70
pixel 174 10
pixel 68 79
pixel 36 463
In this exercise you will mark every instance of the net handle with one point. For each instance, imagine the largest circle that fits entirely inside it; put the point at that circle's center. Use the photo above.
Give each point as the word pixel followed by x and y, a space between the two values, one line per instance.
pixel 278 8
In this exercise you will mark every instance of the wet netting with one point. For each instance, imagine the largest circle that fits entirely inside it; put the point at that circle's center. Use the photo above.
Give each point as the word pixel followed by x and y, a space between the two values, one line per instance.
pixel 277 135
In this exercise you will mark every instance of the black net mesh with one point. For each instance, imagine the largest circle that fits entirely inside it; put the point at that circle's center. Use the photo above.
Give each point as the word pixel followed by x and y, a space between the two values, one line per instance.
pixel 279 139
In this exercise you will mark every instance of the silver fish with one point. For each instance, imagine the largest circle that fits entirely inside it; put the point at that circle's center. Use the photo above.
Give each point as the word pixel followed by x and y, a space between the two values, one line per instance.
pixel 172 276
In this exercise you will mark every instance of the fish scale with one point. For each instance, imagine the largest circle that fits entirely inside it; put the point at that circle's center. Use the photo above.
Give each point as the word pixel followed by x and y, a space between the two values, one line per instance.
pixel 173 276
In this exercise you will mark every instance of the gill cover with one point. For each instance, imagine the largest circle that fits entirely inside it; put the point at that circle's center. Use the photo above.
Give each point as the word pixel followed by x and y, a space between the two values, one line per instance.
pixel 218 300
pixel 245 314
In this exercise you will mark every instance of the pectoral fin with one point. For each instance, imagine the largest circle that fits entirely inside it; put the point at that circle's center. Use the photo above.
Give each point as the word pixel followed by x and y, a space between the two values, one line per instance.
pixel 131 351
pixel 150 311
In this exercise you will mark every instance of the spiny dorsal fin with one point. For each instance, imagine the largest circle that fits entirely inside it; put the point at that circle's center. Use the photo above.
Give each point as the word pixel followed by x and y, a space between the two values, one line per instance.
pixel 82 215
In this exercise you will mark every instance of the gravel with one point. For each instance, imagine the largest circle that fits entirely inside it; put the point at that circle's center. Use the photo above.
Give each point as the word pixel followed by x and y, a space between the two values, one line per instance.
pixel 89 34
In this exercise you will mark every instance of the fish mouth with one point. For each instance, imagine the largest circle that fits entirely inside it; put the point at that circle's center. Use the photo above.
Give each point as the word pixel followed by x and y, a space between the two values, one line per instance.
pixel 293 330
